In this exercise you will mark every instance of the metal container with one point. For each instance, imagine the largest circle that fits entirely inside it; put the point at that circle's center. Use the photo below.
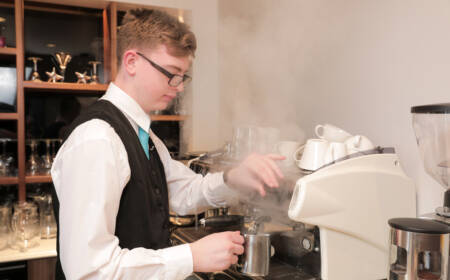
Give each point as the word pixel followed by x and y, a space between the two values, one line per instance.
pixel 256 258
pixel 419 249
pixel 215 212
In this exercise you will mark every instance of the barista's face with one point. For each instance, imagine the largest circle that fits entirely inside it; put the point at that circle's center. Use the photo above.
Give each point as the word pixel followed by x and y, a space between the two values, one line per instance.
pixel 150 87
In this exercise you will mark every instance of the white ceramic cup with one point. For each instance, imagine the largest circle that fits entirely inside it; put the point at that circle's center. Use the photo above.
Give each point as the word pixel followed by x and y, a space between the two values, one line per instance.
pixel 287 149
pixel 313 156
pixel 331 133
pixel 358 143
pixel 336 150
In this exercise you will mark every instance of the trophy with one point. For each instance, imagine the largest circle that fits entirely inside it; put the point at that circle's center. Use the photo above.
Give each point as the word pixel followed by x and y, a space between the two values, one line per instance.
pixel 82 77
pixel 94 77
pixel 53 77
pixel 63 59
pixel 35 75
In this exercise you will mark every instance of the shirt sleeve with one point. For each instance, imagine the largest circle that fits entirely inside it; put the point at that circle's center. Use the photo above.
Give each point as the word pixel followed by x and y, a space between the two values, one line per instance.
pixel 89 174
pixel 190 192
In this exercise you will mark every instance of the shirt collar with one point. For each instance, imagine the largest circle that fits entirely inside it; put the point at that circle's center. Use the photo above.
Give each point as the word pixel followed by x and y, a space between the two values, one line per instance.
pixel 127 105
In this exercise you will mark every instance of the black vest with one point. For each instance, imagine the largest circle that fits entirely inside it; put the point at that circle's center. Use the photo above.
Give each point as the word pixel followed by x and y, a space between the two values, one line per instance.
pixel 143 217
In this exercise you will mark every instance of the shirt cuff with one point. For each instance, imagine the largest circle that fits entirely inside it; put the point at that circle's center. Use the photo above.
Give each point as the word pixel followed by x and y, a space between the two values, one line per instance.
pixel 179 261
pixel 218 193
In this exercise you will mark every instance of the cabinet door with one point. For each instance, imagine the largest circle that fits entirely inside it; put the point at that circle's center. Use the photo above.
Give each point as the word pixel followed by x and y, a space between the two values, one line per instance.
pixel 41 269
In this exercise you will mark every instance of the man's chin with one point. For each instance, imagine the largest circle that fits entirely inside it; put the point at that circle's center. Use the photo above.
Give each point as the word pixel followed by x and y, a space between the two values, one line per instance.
pixel 162 107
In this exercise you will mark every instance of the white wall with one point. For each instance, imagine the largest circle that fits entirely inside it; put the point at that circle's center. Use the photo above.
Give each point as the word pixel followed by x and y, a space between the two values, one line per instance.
pixel 357 64
pixel 202 126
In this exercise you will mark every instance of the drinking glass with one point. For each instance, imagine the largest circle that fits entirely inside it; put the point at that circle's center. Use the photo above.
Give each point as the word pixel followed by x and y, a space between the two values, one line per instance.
pixel 33 163
pixel 3 163
pixel 6 160
pixel 47 159
pixel 56 144
pixel 46 216
pixel 5 223
pixel 25 226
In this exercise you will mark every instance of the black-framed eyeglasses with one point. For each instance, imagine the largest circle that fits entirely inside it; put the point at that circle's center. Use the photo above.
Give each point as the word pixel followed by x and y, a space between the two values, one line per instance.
pixel 174 79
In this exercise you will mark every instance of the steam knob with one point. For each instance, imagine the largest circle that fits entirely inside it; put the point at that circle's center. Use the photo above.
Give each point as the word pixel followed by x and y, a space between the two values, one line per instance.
pixel 307 244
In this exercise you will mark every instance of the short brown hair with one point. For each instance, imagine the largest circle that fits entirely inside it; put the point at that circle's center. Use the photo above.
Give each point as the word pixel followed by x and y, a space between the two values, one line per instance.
pixel 143 28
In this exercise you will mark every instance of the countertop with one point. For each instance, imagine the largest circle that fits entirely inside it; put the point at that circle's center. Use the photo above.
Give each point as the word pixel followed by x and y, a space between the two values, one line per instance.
pixel 45 249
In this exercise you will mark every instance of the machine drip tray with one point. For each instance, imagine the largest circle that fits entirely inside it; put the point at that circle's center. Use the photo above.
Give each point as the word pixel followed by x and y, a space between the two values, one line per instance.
pixel 278 269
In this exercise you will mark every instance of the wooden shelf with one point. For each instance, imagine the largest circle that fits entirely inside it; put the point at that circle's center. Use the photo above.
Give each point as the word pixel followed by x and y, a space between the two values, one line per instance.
pixel 168 117
pixel 9 116
pixel 8 51
pixel 64 87
pixel 9 180
pixel 38 179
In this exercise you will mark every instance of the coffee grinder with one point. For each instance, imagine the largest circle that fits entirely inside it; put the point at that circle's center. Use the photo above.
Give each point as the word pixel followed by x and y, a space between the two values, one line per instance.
pixel 420 246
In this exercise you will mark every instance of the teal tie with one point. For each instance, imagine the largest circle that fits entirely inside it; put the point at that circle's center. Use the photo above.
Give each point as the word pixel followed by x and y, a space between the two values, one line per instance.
pixel 143 137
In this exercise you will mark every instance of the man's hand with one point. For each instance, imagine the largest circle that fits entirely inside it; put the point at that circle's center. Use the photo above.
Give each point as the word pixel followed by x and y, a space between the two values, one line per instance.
pixel 217 251
pixel 255 172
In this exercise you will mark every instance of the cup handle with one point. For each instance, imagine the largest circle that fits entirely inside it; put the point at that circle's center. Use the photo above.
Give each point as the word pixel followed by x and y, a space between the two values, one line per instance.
pixel 317 129
pixel 296 159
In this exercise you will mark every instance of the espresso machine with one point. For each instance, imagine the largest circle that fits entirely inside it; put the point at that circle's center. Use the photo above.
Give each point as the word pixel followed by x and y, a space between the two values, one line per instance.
pixel 350 202
pixel 420 246
pixel 330 224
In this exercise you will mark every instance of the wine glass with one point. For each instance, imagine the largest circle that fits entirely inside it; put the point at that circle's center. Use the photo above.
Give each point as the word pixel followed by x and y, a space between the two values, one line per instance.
pixel 47 159
pixel 3 164
pixel 5 159
pixel 56 144
pixel 33 162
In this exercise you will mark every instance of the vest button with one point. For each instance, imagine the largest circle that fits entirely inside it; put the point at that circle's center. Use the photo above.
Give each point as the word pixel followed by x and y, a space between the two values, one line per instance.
pixel 157 191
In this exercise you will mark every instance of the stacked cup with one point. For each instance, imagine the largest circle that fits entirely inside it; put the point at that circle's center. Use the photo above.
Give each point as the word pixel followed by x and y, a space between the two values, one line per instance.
pixel 333 143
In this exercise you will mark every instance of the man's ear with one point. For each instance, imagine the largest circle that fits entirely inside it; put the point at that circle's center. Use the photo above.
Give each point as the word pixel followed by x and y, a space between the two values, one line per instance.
pixel 129 60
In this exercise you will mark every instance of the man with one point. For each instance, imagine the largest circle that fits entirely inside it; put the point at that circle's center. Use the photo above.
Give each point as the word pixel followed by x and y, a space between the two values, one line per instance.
pixel 115 181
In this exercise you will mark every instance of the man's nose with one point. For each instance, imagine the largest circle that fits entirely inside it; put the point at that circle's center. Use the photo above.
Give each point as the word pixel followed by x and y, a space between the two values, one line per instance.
pixel 180 87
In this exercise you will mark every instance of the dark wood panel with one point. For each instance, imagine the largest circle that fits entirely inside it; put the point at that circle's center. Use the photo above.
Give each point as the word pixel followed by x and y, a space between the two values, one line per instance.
pixel 42 269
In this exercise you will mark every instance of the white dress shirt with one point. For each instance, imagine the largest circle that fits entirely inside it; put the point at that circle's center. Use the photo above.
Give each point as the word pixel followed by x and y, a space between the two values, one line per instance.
pixel 89 174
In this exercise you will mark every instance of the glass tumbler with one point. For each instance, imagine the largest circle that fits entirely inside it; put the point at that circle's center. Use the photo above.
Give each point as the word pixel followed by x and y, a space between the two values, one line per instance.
pixel 5 225
pixel 25 226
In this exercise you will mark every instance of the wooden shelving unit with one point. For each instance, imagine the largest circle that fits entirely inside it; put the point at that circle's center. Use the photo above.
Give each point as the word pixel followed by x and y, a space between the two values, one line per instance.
pixel 38 179
pixel 8 51
pixel 9 116
pixel 9 180
pixel 64 88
